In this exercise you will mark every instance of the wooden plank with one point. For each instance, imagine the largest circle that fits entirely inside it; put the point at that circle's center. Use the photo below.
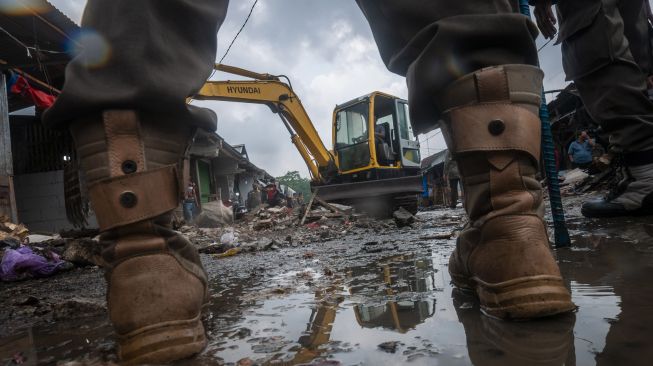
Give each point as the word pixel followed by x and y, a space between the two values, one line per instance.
pixel 12 200
pixel 6 160
pixel 6 166
pixel 308 206
pixel 328 206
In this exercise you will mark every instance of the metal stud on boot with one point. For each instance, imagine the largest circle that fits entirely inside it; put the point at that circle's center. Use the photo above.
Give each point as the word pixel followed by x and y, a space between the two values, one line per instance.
pixel 156 284
pixel 503 255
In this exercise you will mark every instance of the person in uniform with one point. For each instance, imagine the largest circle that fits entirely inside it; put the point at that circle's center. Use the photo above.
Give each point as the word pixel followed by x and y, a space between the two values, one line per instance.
pixel 606 51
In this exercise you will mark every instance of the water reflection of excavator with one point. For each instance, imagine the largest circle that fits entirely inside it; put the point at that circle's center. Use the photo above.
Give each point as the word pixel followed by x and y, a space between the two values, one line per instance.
pixel 396 275
pixel 375 157
pixel 401 275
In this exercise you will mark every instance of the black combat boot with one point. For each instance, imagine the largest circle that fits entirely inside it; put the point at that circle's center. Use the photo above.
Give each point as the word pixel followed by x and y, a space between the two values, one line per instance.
pixel 632 193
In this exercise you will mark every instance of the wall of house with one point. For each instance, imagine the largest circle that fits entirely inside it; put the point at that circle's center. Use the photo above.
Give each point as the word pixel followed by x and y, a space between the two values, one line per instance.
pixel 40 201
pixel 224 171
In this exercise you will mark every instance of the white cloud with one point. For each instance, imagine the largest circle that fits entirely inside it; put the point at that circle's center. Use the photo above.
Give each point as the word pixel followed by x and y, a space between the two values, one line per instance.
pixel 72 8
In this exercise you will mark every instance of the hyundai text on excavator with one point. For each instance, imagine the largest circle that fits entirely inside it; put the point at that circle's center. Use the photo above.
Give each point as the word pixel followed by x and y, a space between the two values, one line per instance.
pixel 375 161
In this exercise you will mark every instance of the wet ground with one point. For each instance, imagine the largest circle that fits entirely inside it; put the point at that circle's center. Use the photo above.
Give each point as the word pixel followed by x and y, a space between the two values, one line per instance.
pixel 368 298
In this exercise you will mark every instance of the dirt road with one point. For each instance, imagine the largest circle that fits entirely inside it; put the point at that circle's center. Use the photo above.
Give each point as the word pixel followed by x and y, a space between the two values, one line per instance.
pixel 369 296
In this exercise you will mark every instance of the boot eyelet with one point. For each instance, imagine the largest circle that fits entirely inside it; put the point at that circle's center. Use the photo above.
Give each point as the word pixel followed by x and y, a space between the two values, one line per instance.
pixel 128 199
pixel 129 166
pixel 496 127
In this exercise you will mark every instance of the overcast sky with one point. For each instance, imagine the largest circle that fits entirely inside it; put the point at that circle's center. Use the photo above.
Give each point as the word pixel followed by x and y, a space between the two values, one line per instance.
pixel 327 50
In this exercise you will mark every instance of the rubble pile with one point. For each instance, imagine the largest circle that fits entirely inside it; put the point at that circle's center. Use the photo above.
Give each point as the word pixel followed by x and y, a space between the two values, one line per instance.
pixel 578 181
pixel 272 228
pixel 24 255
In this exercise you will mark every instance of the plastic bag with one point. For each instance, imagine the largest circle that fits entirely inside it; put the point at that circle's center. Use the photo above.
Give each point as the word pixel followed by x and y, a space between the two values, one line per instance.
pixel 23 263
pixel 228 238
pixel 229 253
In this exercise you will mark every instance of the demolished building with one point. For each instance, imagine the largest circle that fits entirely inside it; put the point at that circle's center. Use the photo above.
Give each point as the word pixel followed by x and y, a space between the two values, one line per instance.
pixel 40 183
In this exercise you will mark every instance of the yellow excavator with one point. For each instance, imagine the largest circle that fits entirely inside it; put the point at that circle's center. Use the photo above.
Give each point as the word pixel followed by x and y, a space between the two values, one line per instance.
pixel 375 161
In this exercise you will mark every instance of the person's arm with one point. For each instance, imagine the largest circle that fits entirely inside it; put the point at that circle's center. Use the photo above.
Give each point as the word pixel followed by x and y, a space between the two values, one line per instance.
pixel 195 196
pixel 544 17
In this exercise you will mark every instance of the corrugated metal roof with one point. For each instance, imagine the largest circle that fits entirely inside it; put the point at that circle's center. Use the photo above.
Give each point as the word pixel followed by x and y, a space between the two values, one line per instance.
pixel 433 160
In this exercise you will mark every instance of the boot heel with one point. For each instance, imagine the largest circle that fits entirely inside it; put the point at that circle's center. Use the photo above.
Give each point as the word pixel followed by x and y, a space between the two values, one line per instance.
pixel 163 342
pixel 525 298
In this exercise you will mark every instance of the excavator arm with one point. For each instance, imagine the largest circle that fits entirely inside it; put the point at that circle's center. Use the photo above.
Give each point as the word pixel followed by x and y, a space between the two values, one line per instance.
pixel 282 100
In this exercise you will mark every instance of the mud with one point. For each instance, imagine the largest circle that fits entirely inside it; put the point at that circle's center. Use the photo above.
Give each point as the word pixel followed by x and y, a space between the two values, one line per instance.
pixel 367 298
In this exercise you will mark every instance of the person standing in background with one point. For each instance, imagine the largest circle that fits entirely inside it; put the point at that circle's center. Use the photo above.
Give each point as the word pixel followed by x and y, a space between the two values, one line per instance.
pixel 580 151
pixel 453 177
pixel 190 201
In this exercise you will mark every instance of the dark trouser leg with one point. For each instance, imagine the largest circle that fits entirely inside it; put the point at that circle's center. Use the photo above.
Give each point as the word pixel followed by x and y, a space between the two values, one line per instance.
pixel 609 61
pixel 467 63
pixel 434 43
pixel 147 55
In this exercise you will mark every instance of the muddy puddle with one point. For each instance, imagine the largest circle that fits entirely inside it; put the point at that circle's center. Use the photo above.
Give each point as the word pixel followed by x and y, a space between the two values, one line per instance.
pixel 347 304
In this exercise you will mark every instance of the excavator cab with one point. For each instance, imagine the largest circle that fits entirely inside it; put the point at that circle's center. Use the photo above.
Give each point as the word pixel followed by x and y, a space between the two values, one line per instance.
pixel 373 134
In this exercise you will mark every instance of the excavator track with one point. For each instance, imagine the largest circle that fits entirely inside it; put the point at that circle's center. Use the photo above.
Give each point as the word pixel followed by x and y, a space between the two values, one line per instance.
pixel 379 198
pixel 409 203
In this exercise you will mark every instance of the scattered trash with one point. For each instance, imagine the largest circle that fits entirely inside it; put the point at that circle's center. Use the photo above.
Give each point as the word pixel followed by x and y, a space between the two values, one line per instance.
pixel 390 347
pixel 229 253
pixel 9 242
pixel 263 224
pixel 214 214
pixel 23 263
pixel 38 238
pixel 83 252
pixel 437 236
pixel 8 228
pixel 573 176
pixel 228 238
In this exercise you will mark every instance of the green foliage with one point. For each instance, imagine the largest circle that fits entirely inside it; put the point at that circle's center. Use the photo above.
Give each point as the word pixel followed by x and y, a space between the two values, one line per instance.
pixel 296 182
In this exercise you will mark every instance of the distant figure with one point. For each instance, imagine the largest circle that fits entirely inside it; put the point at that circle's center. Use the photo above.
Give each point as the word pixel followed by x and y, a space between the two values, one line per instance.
pixel 190 201
pixel 382 147
pixel 290 202
pixel 453 177
pixel 254 198
pixel 580 151
pixel 274 197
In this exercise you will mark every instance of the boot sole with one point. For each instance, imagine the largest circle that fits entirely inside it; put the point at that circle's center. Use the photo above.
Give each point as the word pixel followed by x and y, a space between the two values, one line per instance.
pixel 521 298
pixel 592 214
pixel 163 342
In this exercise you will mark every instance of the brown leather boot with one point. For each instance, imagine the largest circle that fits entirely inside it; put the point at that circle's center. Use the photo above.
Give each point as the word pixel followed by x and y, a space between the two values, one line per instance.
pixel 156 284
pixel 493 131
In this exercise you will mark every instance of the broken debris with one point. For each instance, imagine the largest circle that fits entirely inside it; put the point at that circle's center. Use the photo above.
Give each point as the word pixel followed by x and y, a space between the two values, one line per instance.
pixel 23 263
pixel 403 217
